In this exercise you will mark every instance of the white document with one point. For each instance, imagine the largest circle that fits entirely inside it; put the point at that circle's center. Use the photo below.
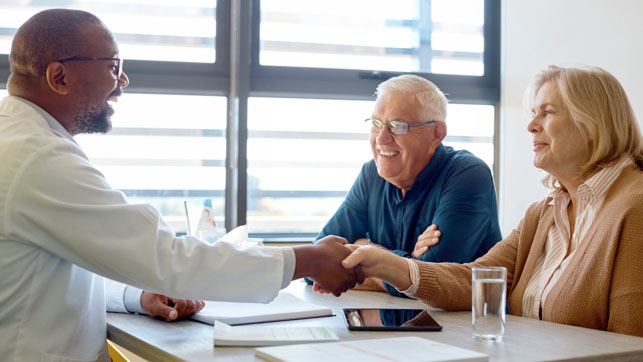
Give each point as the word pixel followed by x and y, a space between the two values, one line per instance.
pixel 285 307
pixel 263 335
pixel 386 349
pixel 236 235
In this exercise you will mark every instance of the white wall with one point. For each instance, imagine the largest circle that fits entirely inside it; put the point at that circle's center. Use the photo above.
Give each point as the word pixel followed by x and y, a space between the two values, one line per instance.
pixel 536 33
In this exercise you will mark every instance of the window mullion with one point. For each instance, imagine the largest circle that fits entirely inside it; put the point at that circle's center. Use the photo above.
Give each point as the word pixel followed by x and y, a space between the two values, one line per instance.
pixel 237 116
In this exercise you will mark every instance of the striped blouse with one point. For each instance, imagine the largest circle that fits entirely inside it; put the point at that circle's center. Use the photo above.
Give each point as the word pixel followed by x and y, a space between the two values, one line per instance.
pixel 560 245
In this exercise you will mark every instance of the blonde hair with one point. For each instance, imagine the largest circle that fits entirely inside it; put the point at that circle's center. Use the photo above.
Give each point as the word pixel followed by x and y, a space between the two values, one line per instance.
pixel 599 107
pixel 432 101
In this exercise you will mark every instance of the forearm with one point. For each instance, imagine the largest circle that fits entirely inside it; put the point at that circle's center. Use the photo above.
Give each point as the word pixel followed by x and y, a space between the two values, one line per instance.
pixel 448 285
pixel 304 260
pixel 395 271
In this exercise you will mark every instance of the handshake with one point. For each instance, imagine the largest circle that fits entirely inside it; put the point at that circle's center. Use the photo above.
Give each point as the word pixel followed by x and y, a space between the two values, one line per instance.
pixel 334 265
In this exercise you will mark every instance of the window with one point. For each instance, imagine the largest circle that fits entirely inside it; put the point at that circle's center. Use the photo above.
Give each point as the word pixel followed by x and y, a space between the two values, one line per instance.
pixel 403 36
pixel 259 105
pixel 164 149
pixel 182 31
pixel 303 156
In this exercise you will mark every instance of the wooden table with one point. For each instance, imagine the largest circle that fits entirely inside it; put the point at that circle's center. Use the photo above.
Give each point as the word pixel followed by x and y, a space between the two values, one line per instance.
pixel 524 340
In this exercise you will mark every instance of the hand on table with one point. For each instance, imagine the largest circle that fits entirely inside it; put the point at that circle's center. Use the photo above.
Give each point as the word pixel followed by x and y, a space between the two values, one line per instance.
pixel 427 239
pixel 158 305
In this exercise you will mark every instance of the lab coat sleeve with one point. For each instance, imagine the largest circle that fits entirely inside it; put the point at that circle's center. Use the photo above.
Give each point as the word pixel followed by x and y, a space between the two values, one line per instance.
pixel 65 206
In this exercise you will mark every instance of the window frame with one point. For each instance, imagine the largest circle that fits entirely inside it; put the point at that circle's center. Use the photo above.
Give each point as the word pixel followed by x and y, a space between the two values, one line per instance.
pixel 237 74
pixel 360 84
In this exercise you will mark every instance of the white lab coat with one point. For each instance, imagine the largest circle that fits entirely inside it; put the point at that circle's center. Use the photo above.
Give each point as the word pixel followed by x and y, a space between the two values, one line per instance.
pixel 62 226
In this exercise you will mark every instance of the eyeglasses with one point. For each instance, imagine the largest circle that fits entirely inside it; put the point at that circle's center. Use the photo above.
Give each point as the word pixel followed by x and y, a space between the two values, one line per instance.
pixel 395 126
pixel 118 65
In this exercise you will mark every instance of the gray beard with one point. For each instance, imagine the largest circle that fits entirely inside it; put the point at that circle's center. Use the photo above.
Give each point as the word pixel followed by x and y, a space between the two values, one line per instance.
pixel 90 121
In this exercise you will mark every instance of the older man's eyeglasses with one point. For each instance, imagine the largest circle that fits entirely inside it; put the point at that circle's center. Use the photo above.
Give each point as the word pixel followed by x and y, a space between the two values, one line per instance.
pixel 396 126
pixel 118 63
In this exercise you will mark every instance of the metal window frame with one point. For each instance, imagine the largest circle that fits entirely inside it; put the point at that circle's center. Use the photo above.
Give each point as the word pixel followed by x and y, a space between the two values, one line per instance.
pixel 295 82
pixel 237 74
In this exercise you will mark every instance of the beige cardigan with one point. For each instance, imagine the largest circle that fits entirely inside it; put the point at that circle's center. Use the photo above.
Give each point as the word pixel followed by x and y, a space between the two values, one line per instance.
pixel 602 287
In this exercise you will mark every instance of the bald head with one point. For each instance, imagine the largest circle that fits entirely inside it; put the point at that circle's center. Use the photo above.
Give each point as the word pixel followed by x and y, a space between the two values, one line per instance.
pixel 76 92
pixel 46 37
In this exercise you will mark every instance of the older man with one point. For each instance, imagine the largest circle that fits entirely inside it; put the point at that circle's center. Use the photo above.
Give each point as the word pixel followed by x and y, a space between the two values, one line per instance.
pixel 414 183
pixel 62 225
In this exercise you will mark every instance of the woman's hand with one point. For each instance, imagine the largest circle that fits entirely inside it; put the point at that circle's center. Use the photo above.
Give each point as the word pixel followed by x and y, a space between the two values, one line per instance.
pixel 379 263
pixel 367 256
pixel 352 248
pixel 427 239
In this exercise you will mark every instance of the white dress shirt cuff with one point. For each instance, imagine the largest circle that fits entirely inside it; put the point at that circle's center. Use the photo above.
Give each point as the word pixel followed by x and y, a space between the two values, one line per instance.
pixel 414 274
pixel 132 299
pixel 114 292
pixel 289 265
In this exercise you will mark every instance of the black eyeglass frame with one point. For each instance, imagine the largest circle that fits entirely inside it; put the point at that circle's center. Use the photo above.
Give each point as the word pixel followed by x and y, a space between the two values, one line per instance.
pixel 396 126
pixel 119 62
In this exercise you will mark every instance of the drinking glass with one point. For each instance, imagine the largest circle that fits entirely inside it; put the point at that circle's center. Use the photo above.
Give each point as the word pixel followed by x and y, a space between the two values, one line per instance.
pixel 488 297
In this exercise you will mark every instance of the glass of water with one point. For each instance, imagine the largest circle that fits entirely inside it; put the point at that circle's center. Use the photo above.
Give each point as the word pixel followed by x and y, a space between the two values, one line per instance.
pixel 488 297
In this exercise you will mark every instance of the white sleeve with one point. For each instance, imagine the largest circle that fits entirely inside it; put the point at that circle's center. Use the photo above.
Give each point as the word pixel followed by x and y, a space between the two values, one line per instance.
pixel 122 298
pixel 65 206
pixel 126 298
pixel 115 296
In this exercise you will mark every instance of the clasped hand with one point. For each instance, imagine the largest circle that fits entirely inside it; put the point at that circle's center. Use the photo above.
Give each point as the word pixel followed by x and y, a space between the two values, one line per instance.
pixel 324 266
pixel 366 259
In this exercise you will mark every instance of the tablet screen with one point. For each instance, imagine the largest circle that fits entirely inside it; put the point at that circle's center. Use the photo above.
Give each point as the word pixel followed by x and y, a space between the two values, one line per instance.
pixel 368 319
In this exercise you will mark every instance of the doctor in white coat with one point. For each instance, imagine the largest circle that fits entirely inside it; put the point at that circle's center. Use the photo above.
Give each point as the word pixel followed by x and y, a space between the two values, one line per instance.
pixel 63 227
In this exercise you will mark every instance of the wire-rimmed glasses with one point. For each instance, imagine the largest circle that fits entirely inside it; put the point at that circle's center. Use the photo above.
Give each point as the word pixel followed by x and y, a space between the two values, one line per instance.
pixel 396 126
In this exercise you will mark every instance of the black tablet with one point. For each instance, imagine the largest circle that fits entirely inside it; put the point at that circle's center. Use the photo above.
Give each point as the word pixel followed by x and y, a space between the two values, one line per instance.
pixel 368 319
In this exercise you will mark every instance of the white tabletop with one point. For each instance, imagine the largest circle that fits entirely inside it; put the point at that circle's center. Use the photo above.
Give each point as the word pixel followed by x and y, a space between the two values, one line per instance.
pixel 524 340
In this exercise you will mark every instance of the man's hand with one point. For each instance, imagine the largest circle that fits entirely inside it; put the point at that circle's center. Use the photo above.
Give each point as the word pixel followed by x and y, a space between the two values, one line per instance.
pixel 369 284
pixel 427 239
pixel 158 305
pixel 321 262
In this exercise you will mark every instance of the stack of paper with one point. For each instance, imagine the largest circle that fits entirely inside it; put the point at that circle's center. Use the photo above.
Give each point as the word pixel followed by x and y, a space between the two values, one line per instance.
pixel 386 349
pixel 262 335
pixel 285 307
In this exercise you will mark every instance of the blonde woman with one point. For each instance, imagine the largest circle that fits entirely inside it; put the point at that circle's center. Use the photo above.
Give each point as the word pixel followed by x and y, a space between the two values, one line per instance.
pixel 577 256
